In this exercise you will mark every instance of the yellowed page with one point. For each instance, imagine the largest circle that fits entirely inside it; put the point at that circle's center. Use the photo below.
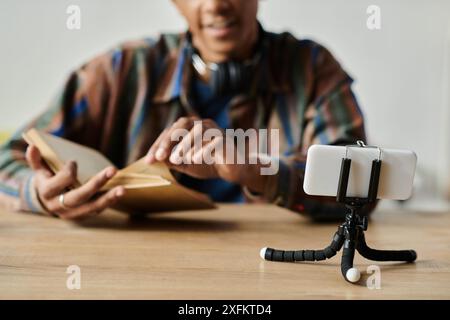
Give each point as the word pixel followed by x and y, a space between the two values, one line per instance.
pixel 49 156
pixel 58 151
pixel 156 169
pixel 175 192
pixel 133 182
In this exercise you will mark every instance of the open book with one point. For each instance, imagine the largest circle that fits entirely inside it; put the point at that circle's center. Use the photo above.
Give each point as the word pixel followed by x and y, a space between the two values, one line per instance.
pixel 149 188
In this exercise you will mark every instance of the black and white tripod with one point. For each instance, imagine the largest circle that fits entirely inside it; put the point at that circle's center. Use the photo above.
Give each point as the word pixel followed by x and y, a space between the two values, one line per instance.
pixel 350 234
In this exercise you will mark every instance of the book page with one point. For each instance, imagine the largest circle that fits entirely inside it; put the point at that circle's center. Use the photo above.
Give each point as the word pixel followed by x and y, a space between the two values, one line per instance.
pixel 131 181
pixel 90 161
pixel 156 169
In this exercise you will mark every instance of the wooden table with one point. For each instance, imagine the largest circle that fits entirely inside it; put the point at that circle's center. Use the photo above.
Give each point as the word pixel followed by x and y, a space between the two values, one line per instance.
pixel 213 255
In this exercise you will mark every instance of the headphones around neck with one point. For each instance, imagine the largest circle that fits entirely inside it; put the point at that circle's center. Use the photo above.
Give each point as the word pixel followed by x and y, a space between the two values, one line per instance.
pixel 229 77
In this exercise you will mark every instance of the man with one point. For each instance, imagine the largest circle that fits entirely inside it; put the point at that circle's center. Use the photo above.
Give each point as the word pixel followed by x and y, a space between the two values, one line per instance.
pixel 128 102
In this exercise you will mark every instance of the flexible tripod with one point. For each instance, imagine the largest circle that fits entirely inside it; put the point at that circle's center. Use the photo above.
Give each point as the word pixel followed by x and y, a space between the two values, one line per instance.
pixel 350 234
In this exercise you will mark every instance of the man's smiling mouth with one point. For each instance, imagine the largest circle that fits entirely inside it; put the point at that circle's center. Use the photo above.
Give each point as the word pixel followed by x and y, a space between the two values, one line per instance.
pixel 221 24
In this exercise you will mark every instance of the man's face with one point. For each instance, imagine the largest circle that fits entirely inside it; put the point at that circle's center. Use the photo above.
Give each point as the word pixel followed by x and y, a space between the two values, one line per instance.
pixel 221 29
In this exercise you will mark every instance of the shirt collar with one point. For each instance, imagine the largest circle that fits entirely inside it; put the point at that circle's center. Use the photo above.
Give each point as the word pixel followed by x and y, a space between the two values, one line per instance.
pixel 175 81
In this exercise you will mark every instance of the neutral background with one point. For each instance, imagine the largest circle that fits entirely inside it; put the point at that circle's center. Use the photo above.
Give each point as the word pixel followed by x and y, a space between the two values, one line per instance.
pixel 402 71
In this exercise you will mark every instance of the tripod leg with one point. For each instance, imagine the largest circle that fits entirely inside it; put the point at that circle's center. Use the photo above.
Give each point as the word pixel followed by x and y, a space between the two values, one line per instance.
pixel 350 274
pixel 383 255
pixel 305 255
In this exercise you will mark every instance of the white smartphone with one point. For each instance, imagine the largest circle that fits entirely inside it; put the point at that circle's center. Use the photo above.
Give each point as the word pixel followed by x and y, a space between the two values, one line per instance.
pixel 323 166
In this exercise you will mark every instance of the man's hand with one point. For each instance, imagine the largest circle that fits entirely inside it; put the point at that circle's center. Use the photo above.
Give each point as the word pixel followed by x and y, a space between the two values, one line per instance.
pixel 180 152
pixel 79 202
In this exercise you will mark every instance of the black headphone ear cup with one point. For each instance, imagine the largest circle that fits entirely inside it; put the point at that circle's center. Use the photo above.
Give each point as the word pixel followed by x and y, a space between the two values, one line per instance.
pixel 246 77
pixel 219 79
pixel 235 77
pixel 231 77
pixel 214 80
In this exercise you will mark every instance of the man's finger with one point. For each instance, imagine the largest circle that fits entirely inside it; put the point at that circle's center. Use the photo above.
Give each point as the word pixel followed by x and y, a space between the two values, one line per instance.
pixel 34 159
pixel 211 153
pixel 190 144
pixel 164 147
pixel 150 158
pixel 55 185
pixel 166 144
pixel 85 192
pixel 94 207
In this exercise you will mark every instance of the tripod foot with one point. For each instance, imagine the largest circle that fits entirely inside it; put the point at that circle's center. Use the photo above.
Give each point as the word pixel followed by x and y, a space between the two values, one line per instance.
pixel 271 254
pixel 262 253
pixel 353 275
pixel 383 255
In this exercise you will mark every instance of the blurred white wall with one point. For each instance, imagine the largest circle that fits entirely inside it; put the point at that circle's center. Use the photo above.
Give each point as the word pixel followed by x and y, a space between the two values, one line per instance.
pixel 402 71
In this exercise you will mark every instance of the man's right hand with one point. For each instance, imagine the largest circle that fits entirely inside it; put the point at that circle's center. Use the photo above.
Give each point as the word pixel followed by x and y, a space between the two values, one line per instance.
pixel 79 202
